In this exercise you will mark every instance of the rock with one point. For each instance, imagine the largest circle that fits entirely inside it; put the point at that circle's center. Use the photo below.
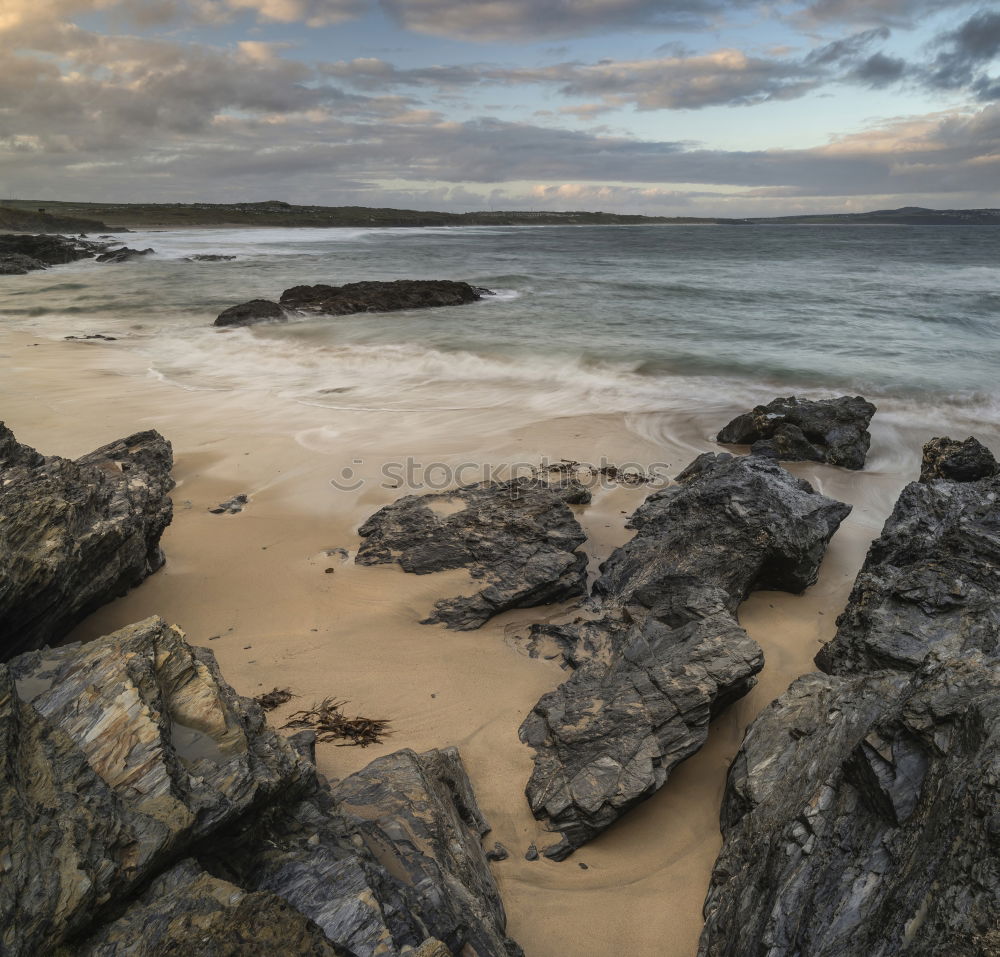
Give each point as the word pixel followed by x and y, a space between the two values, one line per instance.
pixel 413 814
pixel 380 296
pixel 249 313
pixel 231 506
pixel 929 583
pixel 46 249
pixel 124 255
pixel 531 854
pixel 519 537
pixel 834 431
pixel 75 535
pixel 93 335
pixel 208 258
pixel 660 651
pixel 861 817
pixel 118 756
pixel 188 912
pixel 16 264
pixel 966 461
pixel 498 853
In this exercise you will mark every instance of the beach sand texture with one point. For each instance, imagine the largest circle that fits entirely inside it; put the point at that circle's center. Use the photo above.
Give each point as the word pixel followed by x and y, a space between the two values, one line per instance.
pixel 255 588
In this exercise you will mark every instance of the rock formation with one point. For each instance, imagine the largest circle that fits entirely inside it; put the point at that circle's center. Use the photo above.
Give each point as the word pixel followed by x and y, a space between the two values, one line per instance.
pixel 123 255
pixel 661 651
pixel 355 297
pixel 958 461
pixel 519 537
pixel 21 253
pixel 125 756
pixel 834 431
pixel 75 535
pixel 861 812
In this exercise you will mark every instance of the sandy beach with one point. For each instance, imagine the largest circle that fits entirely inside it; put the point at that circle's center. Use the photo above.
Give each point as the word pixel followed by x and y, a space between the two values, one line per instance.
pixel 268 592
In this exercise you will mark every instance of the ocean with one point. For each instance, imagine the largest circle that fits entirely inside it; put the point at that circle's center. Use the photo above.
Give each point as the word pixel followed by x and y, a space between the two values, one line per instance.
pixel 586 319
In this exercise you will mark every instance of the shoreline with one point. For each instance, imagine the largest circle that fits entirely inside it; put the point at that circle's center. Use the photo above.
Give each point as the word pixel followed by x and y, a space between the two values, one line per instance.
pixel 253 587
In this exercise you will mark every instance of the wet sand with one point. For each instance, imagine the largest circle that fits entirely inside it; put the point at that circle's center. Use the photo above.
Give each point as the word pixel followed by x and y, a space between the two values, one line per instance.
pixel 257 589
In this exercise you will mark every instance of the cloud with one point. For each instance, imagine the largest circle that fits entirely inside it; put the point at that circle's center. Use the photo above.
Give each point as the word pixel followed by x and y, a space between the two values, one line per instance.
pixel 895 13
pixel 314 13
pixel 964 55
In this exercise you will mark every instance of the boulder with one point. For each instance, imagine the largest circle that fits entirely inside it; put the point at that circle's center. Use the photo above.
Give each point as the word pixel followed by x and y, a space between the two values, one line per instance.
pixel 249 313
pixel 519 537
pixel 380 296
pixel 75 535
pixel 834 431
pixel 660 652
pixel 929 582
pixel 860 817
pixel 124 255
pixel 16 264
pixel 966 461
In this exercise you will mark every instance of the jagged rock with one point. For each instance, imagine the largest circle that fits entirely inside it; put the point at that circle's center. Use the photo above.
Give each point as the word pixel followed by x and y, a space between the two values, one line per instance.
pixel 249 313
pixel 862 817
pixel 117 756
pixel 413 814
pixel 834 431
pixel 45 249
pixel 518 536
pixel 189 912
pixel 660 652
pixel 966 461
pixel 930 582
pixel 124 255
pixel 16 264
pixel 380 296
pixel 75 535
pixel 208 258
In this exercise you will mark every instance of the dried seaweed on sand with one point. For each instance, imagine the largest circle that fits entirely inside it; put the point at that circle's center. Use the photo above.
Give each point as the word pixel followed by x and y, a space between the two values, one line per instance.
pixel 331 724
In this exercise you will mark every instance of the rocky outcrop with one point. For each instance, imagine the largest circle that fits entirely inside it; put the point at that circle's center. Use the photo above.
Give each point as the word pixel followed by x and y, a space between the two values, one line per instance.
pixel 929 583
pixel 250 313
pixel 860 818
pixel 124 255
pixel 966 461
pixel 21 253
pixel 354 297
pixel 660 651
pixel 860 815
pixel 209 258
pixel 518 537
pixel 75 535
pixel 834 431
pixel 15 264
pixel 123 757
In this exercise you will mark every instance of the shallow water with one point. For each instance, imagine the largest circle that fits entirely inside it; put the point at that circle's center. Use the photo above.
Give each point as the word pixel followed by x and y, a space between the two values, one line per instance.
pixel 587 319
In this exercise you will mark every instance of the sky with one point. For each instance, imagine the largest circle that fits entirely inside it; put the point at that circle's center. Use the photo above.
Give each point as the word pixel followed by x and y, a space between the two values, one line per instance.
pixel 684 107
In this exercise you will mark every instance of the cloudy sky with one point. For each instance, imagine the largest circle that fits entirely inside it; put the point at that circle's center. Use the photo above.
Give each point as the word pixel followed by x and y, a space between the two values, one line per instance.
pixel 682 107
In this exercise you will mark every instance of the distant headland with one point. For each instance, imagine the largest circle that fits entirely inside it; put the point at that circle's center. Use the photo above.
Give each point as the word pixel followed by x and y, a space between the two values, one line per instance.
pixel 60 216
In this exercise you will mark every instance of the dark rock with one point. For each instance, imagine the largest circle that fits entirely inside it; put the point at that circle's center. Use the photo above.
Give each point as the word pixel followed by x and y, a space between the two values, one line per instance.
pixel 380 296
pixel 519 536
pixel 861 818
pixel 115 757
pixel 249 313
pixel 661 651
pixel 16 264
pixel 208 258
pixel 189 912
pixel 232 506
pixel 834 431
pixel 123 255
pixel 930 582
pixel 498 853
pixel 75 535
pixel 966 461
pixel 47 250
pixel 93 335
pixel 532 853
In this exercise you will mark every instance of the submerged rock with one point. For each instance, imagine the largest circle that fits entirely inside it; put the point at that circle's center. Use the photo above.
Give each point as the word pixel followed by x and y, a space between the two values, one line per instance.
pixel 209 258
pixel 519 537
pixel 966 461
pixel 860 817
pixel 380 296
pixel 75 535
pixel 249 313
pixel 121 757
pixel 661 651
pixel 930 582
pixel 124 255
pixel 834 431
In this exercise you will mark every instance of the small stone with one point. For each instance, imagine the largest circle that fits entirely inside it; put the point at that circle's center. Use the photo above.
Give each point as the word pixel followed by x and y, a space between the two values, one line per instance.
pixel 532 853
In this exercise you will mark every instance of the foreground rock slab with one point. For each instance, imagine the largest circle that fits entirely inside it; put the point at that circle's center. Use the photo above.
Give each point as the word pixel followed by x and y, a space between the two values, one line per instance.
pixel 930 581
pixel 123 757
pixel 519 537
pixel 860 817
pixel 834 431
pixel 355 297
pixel 76 534
pixel 660 651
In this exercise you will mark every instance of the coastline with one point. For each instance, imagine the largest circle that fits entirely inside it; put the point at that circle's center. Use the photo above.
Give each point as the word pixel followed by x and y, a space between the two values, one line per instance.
pixel 254 588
